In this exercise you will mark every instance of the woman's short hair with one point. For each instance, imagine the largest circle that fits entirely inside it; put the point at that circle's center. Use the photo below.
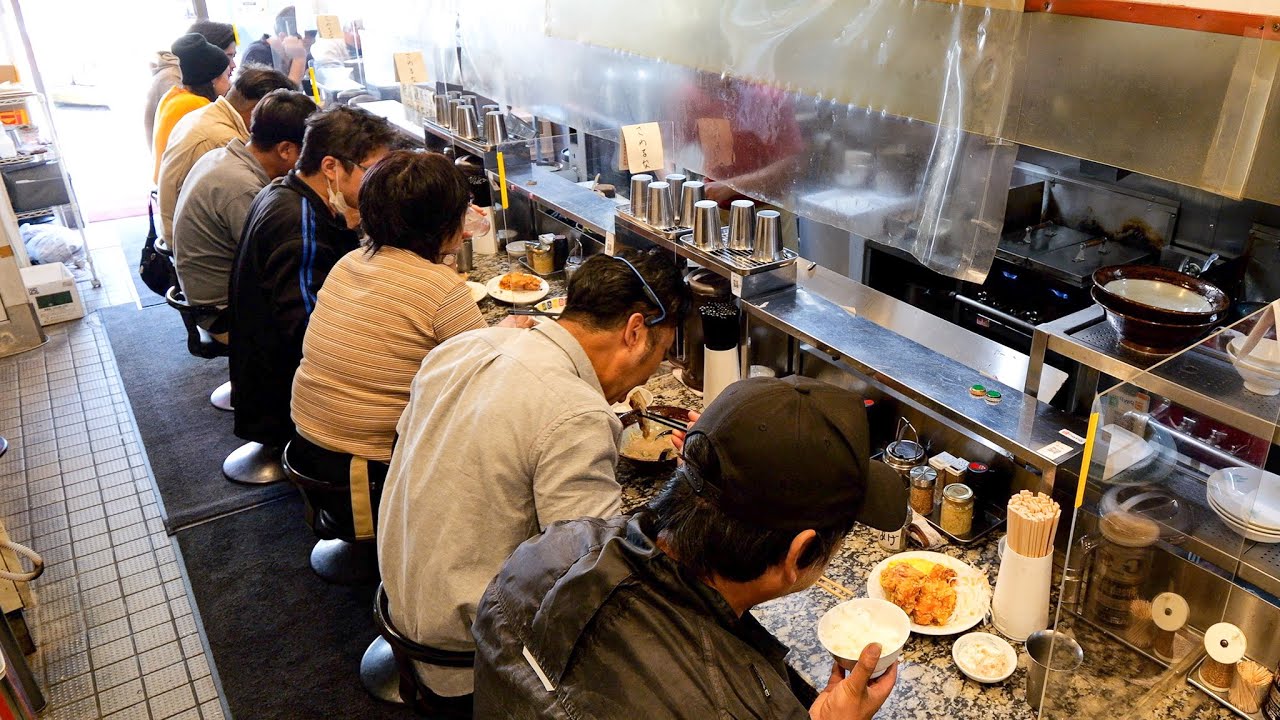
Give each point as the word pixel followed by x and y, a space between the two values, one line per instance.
pixel 413 200
pixel 711 543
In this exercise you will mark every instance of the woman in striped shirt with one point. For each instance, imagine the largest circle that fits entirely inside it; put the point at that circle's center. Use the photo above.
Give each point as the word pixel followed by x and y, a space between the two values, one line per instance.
pixel 382 308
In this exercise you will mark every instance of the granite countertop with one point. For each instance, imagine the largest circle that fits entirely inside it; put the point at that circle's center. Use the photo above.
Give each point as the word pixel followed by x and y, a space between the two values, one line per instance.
pixel 1115 682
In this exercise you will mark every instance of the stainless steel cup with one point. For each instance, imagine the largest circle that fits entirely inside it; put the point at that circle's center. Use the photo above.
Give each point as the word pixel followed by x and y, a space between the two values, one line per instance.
pixel 464 121
pixel 1050 655
pixel 469 99
pixel 442 110
pixel 742 224
pixel 676 181
pixel 453 94
pixel 767 246
pixel 495 127
pixel 691 192
pixel 657 206
pixel 639 186
pixel 706 224
pixel 490 108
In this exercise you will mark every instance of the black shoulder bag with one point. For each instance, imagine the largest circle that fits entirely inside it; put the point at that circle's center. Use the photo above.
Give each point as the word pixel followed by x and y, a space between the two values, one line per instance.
pixel 154 267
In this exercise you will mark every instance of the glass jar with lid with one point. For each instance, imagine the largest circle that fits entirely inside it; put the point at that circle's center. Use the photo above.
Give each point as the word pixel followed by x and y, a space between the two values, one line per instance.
pixel 957 509
pixel 923 479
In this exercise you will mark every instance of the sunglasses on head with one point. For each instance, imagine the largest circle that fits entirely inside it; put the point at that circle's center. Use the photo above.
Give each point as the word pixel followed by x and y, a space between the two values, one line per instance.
pixel 649 293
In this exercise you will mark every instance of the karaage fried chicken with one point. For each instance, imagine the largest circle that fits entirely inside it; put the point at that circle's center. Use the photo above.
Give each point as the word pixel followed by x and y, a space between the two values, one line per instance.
pixel 928 598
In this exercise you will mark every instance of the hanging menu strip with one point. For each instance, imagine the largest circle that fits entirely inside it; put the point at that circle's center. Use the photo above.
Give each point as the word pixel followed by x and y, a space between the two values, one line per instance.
pixel 411 69
pixel 329 26
pixel 642 147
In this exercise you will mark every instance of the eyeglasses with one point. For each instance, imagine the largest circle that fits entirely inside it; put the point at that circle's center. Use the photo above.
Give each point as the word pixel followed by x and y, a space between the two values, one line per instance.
pixel 649 293
pixel 353 162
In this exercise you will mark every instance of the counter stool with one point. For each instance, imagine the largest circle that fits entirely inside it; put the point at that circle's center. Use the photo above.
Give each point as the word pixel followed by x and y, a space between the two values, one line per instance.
pixel 374 670
pixel 199 341
pixel 338 557
pixel 254 464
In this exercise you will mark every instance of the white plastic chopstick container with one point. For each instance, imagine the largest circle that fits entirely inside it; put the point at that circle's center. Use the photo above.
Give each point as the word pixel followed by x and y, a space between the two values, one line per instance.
pixel 1020 605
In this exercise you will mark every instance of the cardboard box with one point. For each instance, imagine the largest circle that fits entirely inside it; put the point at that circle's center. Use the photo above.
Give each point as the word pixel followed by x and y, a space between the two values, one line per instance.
pixel 53 292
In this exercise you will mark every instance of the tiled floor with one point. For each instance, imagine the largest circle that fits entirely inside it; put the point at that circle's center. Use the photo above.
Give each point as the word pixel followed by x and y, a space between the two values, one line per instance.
pixel 114 618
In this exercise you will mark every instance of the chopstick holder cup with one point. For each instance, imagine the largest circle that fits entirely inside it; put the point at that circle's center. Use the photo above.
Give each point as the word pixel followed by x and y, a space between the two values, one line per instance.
pixel 1020 604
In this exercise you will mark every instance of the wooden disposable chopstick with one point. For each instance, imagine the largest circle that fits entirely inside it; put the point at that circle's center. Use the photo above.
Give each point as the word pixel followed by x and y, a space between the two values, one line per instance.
pixel 665 421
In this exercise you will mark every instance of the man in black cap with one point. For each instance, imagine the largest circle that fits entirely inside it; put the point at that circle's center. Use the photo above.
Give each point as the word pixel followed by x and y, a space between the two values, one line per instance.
pixel 647 615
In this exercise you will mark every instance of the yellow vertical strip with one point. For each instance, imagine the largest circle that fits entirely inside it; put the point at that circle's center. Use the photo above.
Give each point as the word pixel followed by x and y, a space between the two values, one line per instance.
pixel 235 34
pixel 502 179
pixel 1087 457
pixel 315 89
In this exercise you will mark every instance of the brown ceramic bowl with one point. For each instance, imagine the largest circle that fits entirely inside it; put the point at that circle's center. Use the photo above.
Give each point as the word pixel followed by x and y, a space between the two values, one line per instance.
pixel 1174 282
pixel 1149 336
pixel 632 420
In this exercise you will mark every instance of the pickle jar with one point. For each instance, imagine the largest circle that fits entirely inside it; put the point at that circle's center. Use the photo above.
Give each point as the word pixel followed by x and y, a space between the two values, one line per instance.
pixel 957 509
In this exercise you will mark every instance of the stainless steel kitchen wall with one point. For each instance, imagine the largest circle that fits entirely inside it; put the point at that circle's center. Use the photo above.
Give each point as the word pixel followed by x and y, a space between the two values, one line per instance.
pixel 876 116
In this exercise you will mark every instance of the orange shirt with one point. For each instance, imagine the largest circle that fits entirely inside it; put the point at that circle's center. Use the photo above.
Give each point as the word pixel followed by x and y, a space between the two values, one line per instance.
pixel 173 106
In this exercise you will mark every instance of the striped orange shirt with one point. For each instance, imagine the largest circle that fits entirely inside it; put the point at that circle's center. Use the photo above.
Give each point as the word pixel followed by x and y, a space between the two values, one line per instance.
pixel 376 318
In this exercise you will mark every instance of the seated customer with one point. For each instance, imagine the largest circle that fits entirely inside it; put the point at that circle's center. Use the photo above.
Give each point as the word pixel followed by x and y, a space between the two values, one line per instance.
pixel 382 309
pixel 648 615
pixel 216 197
pixel 506 432
pixel 297 228
pixel 206 76
pixel 209 128
pixel 166 73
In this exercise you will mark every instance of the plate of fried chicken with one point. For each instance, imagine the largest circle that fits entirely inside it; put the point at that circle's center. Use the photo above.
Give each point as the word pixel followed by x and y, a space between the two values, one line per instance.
pixel 941 594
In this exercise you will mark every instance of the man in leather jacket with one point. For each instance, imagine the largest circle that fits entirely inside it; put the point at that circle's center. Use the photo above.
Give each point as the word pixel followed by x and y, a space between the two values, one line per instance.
pixel 647 615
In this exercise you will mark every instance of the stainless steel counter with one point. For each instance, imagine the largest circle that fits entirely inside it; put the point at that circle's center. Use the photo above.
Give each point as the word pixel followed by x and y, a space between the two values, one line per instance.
pixel 544 187
pixel 923 359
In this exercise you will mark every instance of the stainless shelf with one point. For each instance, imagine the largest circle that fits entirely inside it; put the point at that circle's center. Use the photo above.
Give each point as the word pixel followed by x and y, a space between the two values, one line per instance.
pixel 18 98
pixel 1200 379
pixel 544 187
pixel 474 147
pixel 34 214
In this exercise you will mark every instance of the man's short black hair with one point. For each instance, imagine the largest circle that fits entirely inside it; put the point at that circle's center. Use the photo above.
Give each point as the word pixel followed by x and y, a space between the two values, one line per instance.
pixel 346 133
pixel 710 543
pixel 279 117
pixel 413 200
pixel 215 33
pixel 604 292
pixel 255 81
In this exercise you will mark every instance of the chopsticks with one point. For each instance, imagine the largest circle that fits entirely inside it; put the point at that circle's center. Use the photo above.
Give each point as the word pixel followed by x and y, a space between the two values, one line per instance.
pixel 664 421
pixel 533 312
pixel 1033 524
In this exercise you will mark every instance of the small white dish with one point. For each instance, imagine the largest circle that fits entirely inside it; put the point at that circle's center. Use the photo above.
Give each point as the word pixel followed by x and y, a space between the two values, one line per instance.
pixel 1241 529
pixel 1266 354
pixel 891 626
pixel 478 290
pixel 516 297
pixel 995 649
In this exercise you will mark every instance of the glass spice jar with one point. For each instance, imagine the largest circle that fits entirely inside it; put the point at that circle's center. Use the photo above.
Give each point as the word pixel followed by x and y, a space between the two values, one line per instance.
pixel 1271 706
pixel 923 480
pixel 957 509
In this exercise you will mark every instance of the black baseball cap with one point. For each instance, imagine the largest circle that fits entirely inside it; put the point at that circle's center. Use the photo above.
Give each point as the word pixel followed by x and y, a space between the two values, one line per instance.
pixel 794 453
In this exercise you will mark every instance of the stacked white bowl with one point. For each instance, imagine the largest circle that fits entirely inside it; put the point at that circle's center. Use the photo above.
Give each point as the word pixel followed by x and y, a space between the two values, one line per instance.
pixel 1260 369
pixel 1248 501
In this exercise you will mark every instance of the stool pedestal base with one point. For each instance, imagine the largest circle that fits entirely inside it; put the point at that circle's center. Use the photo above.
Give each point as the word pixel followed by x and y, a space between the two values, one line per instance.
pixel 379 674
pixel 221 397
pixel 344 563
pixel 253 464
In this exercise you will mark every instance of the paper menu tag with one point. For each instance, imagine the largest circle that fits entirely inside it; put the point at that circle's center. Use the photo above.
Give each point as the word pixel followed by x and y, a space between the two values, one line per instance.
pixel 642 147
pixel 1071 436
pixel 329 26
pixel 716 137
pixel 1054 450
pixel 410 68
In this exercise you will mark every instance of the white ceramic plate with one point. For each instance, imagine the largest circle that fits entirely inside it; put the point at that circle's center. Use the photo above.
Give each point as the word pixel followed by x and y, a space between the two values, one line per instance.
pixel 1249 534
pixel 478 290
pixel 999 644
pixel 970 610
pixel 1250 495
pixel 519 297
pixel 554 305
pixel 1158 294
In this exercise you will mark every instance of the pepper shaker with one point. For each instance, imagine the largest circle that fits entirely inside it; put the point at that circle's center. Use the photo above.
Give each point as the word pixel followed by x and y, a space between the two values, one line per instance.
pixel 465 261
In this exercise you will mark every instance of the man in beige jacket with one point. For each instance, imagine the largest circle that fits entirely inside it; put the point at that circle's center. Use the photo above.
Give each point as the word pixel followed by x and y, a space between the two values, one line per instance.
pixel 210 128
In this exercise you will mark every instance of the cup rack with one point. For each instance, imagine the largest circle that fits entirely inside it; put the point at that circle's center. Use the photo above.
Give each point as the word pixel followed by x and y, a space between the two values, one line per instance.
pixel 747 278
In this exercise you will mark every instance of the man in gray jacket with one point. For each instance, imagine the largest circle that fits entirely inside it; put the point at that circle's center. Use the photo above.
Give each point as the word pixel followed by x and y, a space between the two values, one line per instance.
pixel 506 432
pixel 218 192
pixel 648 615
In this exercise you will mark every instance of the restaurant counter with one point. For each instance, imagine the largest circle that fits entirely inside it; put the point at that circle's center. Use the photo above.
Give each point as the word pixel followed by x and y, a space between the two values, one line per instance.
pixel 929 684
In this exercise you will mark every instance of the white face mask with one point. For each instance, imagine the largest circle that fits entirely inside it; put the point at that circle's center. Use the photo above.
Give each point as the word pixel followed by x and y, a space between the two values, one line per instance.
pixel 336 198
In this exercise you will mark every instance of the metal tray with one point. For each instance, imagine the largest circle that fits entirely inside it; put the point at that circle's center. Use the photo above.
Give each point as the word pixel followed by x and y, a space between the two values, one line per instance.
pixel 985 519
